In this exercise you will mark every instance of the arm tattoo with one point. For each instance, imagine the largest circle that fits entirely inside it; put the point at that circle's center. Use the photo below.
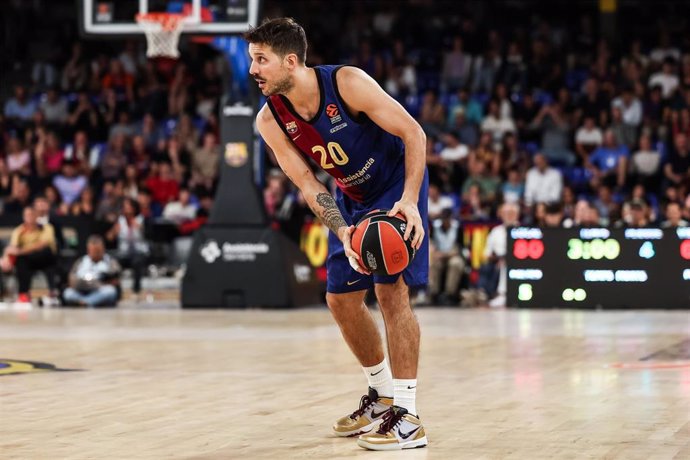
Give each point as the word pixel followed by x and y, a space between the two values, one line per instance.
pixel 328 212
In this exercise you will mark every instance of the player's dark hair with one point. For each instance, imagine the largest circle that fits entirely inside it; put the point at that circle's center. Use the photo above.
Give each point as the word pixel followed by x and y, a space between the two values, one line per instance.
pixel 283 35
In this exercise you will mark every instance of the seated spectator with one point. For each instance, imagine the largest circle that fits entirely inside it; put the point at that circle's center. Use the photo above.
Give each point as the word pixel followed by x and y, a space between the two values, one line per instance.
pixel 514 188
pixel 609 210
pixel 645 164
pixel 437 202
pixel 46 216
pixel 118 79
pixel 181 210
pixel 453 158
pixel 674 216
pixel 20 108
pixel 84 116
pixel 457 65
pixel 149 130
pixel 140 156
pixel 543 183
pixel 486 153
pixel 667 78
pixel 608 164
pixel 677 170
pixel 472 109
pixel 445 258
pixel 48 155
pixel 466 131
pixel 83 153
pixel 20 197
pixel 635 214
pixel 553 215
pixel 555 129
pixel 94 278
pixel 431 114
pixel 205 163
pixel 132 247
pixel 18 158
pixel 492 274
pixel 164 186
pixel 54 107
pixel 473 207
pixel 110 203
pixel 587 138
pixel 32 247
pixel 526 111
pixel 69 183
pixel 497 124
pixel 401 73
pixel 114 159
pixel 625 133
pixel 630 107
pixel 488 184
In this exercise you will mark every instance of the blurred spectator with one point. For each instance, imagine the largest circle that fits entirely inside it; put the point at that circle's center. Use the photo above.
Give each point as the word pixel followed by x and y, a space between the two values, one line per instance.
pixel 608 163
pixel 587 138
pixel 132 247
pixel 473 206
pixel 75 72
pixel 630 107
pixel 437 202
pixel 635 215
pixel 553 215
pixel 84 116
pixel 645 164
pixel 94 278
pixel 624 132
pixel 118 79
pixel 111 201
pixel 32 247
pixel 674 216
pixel 48 155
pixel 555 131
pixel 401 74
pixel 608 209
pixel 18 158
pixel 82 153
pixel 46 216
pixel 543 183
pixel 182 209
pixel 70 184
pixel 54 107
pixel 20 108
pixel 209 89
pixel 492 274
pixel 205 163
pixel 471 109
pixel 514 188
pixel 114 159
pixel 431 115
pixel 514 73
pixel 677 170
pixel 497 124
pixel 445 259
pixel 667 78
pixel 456 67
pixel 20 197
pixel 485 70
pixel 481 176
pixel 593 103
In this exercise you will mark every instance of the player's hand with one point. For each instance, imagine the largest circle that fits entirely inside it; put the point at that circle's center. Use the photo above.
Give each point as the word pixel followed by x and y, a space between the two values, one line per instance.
pixel 345 235
pixel 414 221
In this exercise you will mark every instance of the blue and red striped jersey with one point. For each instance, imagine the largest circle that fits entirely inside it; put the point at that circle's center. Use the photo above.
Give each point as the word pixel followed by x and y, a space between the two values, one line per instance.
pixel 363 158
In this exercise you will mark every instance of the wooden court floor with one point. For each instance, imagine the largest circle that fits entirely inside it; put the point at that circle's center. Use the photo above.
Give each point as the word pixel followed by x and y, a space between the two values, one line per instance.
pixel 512 384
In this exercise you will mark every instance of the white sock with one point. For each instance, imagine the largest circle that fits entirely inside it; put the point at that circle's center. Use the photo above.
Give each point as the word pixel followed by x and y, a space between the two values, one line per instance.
pixel 405 393
pixel 380 378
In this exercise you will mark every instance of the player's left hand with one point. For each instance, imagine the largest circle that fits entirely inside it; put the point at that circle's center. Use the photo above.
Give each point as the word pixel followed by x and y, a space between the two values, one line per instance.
pixel 414 221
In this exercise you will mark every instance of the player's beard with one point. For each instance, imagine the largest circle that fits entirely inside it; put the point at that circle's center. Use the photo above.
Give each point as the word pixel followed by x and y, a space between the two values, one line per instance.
pixel 281 86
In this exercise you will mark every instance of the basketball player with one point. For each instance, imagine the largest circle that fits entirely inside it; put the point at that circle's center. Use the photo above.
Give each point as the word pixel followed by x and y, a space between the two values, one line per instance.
pixel 343 120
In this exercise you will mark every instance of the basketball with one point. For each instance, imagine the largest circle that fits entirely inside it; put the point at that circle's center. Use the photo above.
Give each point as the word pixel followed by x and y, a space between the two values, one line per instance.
pixel 379 241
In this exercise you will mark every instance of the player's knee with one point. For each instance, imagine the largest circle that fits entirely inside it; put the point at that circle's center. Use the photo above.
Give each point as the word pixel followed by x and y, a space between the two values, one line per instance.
pixel 393 298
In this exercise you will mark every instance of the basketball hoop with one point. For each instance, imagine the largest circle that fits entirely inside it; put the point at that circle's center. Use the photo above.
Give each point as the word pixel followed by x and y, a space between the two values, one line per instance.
pixel 162 33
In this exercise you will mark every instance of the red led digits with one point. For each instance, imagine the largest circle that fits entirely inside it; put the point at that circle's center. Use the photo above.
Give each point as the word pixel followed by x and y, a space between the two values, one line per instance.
pixel 532 249
pixel 685 249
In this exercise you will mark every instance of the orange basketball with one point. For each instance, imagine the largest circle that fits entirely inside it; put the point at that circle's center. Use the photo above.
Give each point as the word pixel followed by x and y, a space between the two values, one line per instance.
pixel 378 240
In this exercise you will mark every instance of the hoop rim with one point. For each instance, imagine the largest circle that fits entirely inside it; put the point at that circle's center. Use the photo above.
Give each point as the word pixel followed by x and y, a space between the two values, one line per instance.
pixel 168 21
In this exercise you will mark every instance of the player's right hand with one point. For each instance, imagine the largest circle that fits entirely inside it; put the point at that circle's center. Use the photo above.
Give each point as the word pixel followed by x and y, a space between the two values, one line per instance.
pixel 345 235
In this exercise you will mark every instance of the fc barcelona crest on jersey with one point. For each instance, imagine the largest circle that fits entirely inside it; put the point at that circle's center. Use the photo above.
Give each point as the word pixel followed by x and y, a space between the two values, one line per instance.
pixel 291 127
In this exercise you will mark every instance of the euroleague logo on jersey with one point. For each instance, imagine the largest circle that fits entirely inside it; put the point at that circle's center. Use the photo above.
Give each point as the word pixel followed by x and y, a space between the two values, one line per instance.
pixel 333 113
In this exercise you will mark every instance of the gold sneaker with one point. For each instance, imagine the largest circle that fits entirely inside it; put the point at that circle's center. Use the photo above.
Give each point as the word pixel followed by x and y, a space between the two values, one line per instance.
pixel 365 419
pixel 399 430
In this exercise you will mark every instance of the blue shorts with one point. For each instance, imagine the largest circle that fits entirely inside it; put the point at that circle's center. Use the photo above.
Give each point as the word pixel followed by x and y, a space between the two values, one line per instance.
pixel 342 278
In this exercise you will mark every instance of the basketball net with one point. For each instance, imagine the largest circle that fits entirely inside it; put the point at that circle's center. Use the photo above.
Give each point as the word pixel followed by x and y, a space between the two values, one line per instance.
pixel 162 33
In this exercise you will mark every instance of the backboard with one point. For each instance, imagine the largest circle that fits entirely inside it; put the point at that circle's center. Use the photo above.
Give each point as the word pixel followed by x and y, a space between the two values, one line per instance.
pixel 112 18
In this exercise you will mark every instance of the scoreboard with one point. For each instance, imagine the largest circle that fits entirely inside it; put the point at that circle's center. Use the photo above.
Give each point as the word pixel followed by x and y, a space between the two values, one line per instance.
pixel 598 267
